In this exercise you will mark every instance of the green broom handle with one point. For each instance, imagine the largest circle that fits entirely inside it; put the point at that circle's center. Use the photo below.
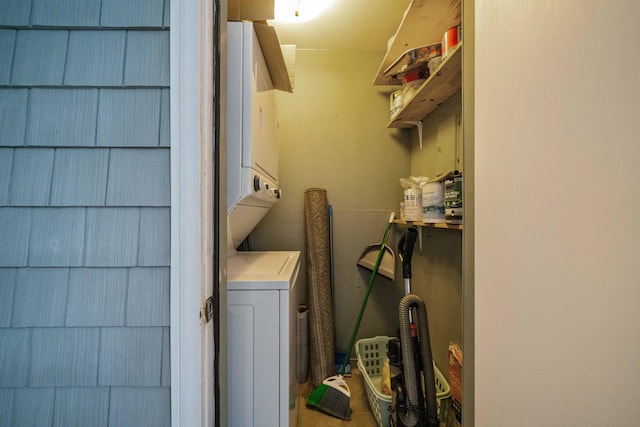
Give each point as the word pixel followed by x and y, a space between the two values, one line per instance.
pixel 366 296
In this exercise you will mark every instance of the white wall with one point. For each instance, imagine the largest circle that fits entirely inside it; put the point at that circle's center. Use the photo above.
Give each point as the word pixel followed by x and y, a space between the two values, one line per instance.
pixel 557 119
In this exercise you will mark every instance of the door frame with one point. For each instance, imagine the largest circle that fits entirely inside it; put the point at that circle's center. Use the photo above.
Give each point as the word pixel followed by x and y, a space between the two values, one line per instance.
pixel 196 224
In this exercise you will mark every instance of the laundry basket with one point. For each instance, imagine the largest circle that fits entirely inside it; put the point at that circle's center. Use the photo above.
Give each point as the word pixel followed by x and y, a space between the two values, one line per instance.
pixel 371 354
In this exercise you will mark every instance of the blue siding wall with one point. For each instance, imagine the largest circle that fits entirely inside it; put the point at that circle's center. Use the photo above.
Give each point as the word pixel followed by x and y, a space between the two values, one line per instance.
pixel 84 213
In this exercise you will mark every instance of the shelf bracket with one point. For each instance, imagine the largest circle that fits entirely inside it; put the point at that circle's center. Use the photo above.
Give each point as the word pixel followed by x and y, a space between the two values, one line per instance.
pixel 419 125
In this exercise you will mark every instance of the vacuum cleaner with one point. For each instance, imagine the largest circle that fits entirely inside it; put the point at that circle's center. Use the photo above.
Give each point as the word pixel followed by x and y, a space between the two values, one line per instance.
pixel 413 392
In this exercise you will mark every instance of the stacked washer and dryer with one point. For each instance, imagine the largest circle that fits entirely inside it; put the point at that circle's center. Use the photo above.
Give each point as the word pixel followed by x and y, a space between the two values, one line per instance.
pixel 262 288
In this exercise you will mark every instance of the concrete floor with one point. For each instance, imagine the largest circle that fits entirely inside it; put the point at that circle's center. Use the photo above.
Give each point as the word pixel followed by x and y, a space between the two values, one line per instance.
pixel 361 412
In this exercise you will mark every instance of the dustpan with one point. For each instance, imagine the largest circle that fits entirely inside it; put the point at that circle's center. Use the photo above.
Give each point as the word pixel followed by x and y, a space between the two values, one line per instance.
pixel 387 267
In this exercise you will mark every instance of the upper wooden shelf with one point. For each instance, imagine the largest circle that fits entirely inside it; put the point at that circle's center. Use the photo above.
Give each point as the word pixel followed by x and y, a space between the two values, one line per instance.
pixel 433 92
pixel 424 22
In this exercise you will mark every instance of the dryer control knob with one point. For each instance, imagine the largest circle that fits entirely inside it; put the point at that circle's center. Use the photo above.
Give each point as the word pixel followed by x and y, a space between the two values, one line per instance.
pixel 256 183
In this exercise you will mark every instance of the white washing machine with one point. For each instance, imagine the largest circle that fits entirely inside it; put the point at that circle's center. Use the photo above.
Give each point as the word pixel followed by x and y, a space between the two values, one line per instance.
pixel 262 301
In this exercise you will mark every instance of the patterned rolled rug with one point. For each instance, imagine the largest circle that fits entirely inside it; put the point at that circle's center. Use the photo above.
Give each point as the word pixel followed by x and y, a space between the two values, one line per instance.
pixel 321 320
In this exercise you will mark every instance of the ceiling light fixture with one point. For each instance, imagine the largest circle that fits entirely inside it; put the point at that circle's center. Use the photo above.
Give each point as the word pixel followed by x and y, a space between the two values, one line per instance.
pixel 299 10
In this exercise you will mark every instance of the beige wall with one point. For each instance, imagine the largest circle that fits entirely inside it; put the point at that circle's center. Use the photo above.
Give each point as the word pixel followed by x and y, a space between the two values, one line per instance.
pixel 437 269
pixel 333 135
pixel 557 197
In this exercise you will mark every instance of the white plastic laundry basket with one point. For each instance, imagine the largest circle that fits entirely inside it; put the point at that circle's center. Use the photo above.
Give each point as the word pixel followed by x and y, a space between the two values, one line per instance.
pixel 371 354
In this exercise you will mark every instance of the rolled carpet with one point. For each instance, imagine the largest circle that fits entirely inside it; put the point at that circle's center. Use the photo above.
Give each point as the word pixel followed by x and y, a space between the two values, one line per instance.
pixel 321 320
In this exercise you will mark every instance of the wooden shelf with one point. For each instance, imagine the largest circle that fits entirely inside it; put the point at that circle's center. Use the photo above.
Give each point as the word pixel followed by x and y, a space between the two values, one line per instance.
pixel 433 92
pixel 427 224
pixel 424 22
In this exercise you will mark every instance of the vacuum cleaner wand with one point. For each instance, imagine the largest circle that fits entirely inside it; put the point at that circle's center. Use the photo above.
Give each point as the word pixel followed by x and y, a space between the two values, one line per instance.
pixel 405 252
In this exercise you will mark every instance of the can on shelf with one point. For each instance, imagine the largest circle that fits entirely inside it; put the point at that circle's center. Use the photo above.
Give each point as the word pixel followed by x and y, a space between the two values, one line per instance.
pixel 450 40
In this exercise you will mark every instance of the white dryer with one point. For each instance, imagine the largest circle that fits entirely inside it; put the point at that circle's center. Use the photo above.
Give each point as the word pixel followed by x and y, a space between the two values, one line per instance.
pixel 252 144
pixel 262 302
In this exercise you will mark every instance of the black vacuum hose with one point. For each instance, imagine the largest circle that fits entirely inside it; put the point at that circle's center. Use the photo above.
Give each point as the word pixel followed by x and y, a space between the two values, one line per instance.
pixel 410 418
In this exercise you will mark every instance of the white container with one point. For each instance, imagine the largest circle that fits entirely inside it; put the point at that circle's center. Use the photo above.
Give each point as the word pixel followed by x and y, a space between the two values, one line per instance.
pixel 433 202
pixel 396 101
pixel 413 204
pixel 434 64
pixel 411 88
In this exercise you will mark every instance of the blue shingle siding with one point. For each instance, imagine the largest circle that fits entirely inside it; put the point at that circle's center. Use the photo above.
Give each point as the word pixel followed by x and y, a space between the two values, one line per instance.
pixel 15 224
pixel 148 297
pixel 165 129
pixel 112 237
pixel 65 13
pixel 138 177
pixel 64 357
pixel 165 381
pixel 68 117
pixel 129 117
pixel 14 348
pixel 33 406
pixel 7 38
pixel 57 237
pixel 80 177
pixel 41 294
pixel 6 159
pixel 132 13
pixel 7 286
pixel 140 406
pixel 167 13
pixel 121 351
pixel 97 297
pixel 81 406
pixel 154 248
pixel 15 12
pixel 62 117
pixel 84 213
pixel 31 177
pixel 39 57
pixel 13 116
pixel 95 58
pixel 6 405
pixel 147 58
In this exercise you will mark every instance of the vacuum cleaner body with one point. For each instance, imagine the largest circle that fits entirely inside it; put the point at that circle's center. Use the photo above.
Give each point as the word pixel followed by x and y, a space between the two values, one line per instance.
pixel 399 399
pixel 413 393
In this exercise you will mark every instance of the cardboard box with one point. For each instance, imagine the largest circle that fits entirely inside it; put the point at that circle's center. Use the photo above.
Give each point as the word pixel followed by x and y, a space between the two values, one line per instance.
pixel 250 10
pixel 455 381
pixel 273 56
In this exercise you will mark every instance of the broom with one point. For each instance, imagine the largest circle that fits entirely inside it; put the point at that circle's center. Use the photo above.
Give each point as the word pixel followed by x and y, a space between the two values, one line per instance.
pixel 333 396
